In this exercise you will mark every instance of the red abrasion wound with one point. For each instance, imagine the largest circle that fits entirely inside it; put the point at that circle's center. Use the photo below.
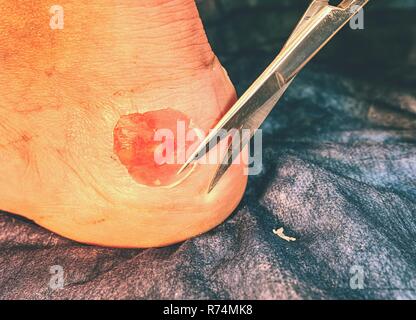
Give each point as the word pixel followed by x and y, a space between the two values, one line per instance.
pixel 135 145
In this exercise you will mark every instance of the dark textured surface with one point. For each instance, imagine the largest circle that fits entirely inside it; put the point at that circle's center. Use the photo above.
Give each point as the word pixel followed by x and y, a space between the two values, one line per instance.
pixel 339 175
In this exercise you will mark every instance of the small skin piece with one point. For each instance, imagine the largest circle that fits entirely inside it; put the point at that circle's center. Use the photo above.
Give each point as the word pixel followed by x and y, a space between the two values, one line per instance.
pixel 281 234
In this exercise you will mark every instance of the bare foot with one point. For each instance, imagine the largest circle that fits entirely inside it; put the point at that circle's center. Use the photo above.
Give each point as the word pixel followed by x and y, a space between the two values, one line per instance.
pixel 62 94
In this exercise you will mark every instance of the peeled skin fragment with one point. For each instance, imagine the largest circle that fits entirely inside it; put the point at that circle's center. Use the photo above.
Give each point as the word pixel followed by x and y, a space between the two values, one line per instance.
pixel 148 160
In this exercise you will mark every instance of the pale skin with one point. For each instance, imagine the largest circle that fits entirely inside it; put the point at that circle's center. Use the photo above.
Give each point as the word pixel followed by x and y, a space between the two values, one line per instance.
pixel 63 91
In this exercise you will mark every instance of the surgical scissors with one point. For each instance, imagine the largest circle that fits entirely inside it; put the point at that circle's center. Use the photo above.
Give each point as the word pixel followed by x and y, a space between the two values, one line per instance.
pixel 317 27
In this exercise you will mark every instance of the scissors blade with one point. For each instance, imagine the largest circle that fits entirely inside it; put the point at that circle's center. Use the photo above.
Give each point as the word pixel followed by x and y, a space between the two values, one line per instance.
pixel 268 99
pixel 261 103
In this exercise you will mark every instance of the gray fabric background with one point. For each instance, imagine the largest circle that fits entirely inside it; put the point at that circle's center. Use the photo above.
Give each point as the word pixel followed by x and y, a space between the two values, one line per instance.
pixel 339 175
